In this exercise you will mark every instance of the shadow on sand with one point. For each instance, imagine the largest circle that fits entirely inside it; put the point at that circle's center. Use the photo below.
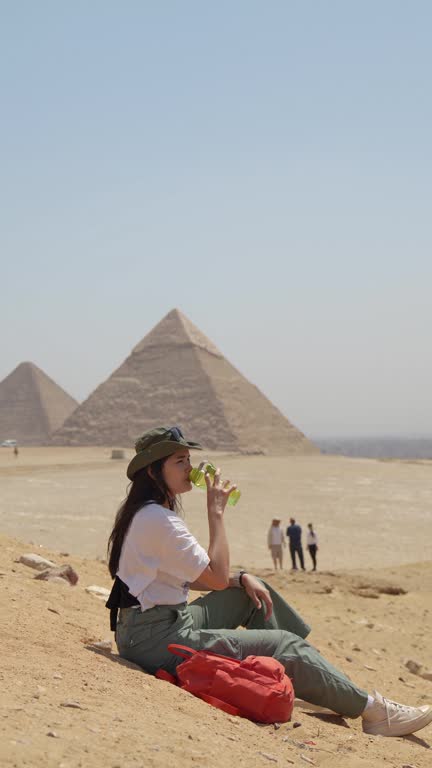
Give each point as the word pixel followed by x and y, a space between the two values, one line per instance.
pixel 115 658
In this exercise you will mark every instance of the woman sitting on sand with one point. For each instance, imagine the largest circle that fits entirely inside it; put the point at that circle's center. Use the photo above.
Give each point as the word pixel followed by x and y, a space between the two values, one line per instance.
pixel 155 560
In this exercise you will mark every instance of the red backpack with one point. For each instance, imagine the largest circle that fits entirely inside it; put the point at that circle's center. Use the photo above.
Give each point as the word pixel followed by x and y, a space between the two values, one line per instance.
pixel 256 688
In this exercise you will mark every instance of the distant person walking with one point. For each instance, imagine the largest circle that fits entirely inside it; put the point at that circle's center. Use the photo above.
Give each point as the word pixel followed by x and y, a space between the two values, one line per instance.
pixel 16 451
pixel 312 544
pixel 294 533
pixel 275 542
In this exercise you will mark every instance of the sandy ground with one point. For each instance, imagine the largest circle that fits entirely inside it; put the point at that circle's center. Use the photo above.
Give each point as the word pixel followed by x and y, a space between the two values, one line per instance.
pixel 367 513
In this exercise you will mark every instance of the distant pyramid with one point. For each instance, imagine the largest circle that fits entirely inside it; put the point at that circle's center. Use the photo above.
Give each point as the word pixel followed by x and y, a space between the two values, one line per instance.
pixel 32 405
pixel 175 375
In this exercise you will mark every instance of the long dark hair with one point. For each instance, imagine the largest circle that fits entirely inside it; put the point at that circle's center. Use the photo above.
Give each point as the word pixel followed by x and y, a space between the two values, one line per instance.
pixel 143 489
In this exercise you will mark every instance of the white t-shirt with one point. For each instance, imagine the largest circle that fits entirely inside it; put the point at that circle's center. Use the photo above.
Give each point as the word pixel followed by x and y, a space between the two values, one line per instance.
pixel 160 557
pixel 276 535
pixel 311 538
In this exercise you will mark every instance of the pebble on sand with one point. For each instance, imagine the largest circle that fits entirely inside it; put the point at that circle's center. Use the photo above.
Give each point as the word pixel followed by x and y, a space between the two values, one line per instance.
pixel 63 573
pixel 36 561
pixel 103 645
pixel 418 669
pixel 99 592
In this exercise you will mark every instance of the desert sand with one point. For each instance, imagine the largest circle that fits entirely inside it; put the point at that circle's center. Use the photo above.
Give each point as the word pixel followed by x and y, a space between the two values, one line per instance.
pixel 369 606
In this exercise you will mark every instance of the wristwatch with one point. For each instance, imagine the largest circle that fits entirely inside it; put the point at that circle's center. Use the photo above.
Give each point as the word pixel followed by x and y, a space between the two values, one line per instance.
pixel 237 578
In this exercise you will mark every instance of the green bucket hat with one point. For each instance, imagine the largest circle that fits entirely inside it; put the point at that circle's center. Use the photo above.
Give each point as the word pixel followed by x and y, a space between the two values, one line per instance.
pixel 157 444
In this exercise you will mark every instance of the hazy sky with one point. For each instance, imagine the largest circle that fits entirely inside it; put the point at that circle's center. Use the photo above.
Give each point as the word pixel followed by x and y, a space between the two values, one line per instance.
pixel 263 166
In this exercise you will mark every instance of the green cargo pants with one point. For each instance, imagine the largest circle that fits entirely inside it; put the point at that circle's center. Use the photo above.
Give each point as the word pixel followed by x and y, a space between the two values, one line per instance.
pixel 211 623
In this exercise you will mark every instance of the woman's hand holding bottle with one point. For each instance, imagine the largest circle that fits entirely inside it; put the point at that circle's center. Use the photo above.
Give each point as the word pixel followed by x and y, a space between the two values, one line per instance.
pixel 197 476
pixel 217 493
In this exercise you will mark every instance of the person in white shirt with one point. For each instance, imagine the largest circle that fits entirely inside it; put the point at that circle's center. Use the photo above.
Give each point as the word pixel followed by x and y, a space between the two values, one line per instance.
pixel 155 560
pixel 275 542
pixel 312 544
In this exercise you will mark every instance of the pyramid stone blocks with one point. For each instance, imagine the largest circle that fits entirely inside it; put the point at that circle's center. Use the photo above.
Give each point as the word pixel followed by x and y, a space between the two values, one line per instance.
pixel 175 375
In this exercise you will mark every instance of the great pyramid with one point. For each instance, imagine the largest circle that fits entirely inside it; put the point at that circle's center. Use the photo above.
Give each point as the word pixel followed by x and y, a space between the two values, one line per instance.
pixel 175 375
pixel 32 405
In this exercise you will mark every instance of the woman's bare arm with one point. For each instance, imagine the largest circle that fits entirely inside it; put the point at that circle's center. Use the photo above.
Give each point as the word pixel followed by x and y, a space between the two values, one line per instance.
pixel 216 575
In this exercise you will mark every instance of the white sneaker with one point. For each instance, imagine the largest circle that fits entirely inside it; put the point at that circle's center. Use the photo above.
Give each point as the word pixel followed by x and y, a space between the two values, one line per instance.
pixel 387 718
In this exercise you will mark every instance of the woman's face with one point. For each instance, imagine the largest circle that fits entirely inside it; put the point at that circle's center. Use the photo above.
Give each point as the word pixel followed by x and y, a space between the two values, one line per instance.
pixel 176 470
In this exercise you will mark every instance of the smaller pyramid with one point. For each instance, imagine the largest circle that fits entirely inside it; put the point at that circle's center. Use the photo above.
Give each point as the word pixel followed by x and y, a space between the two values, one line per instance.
pixel 32 405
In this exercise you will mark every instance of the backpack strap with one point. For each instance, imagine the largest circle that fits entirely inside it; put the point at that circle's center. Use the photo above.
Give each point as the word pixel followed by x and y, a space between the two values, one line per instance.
pixel 223 705
pixel 162 674
pixel 181 650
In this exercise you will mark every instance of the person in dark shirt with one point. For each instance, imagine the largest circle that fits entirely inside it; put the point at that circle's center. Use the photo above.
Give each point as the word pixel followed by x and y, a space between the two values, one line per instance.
pixel 294 533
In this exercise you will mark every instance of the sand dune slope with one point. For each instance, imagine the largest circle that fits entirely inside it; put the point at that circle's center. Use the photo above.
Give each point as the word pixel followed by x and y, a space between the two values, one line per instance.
pixel 125 718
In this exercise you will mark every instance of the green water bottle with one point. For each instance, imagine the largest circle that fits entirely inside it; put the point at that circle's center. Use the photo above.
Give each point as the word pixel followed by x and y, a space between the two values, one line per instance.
pixel 197 477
